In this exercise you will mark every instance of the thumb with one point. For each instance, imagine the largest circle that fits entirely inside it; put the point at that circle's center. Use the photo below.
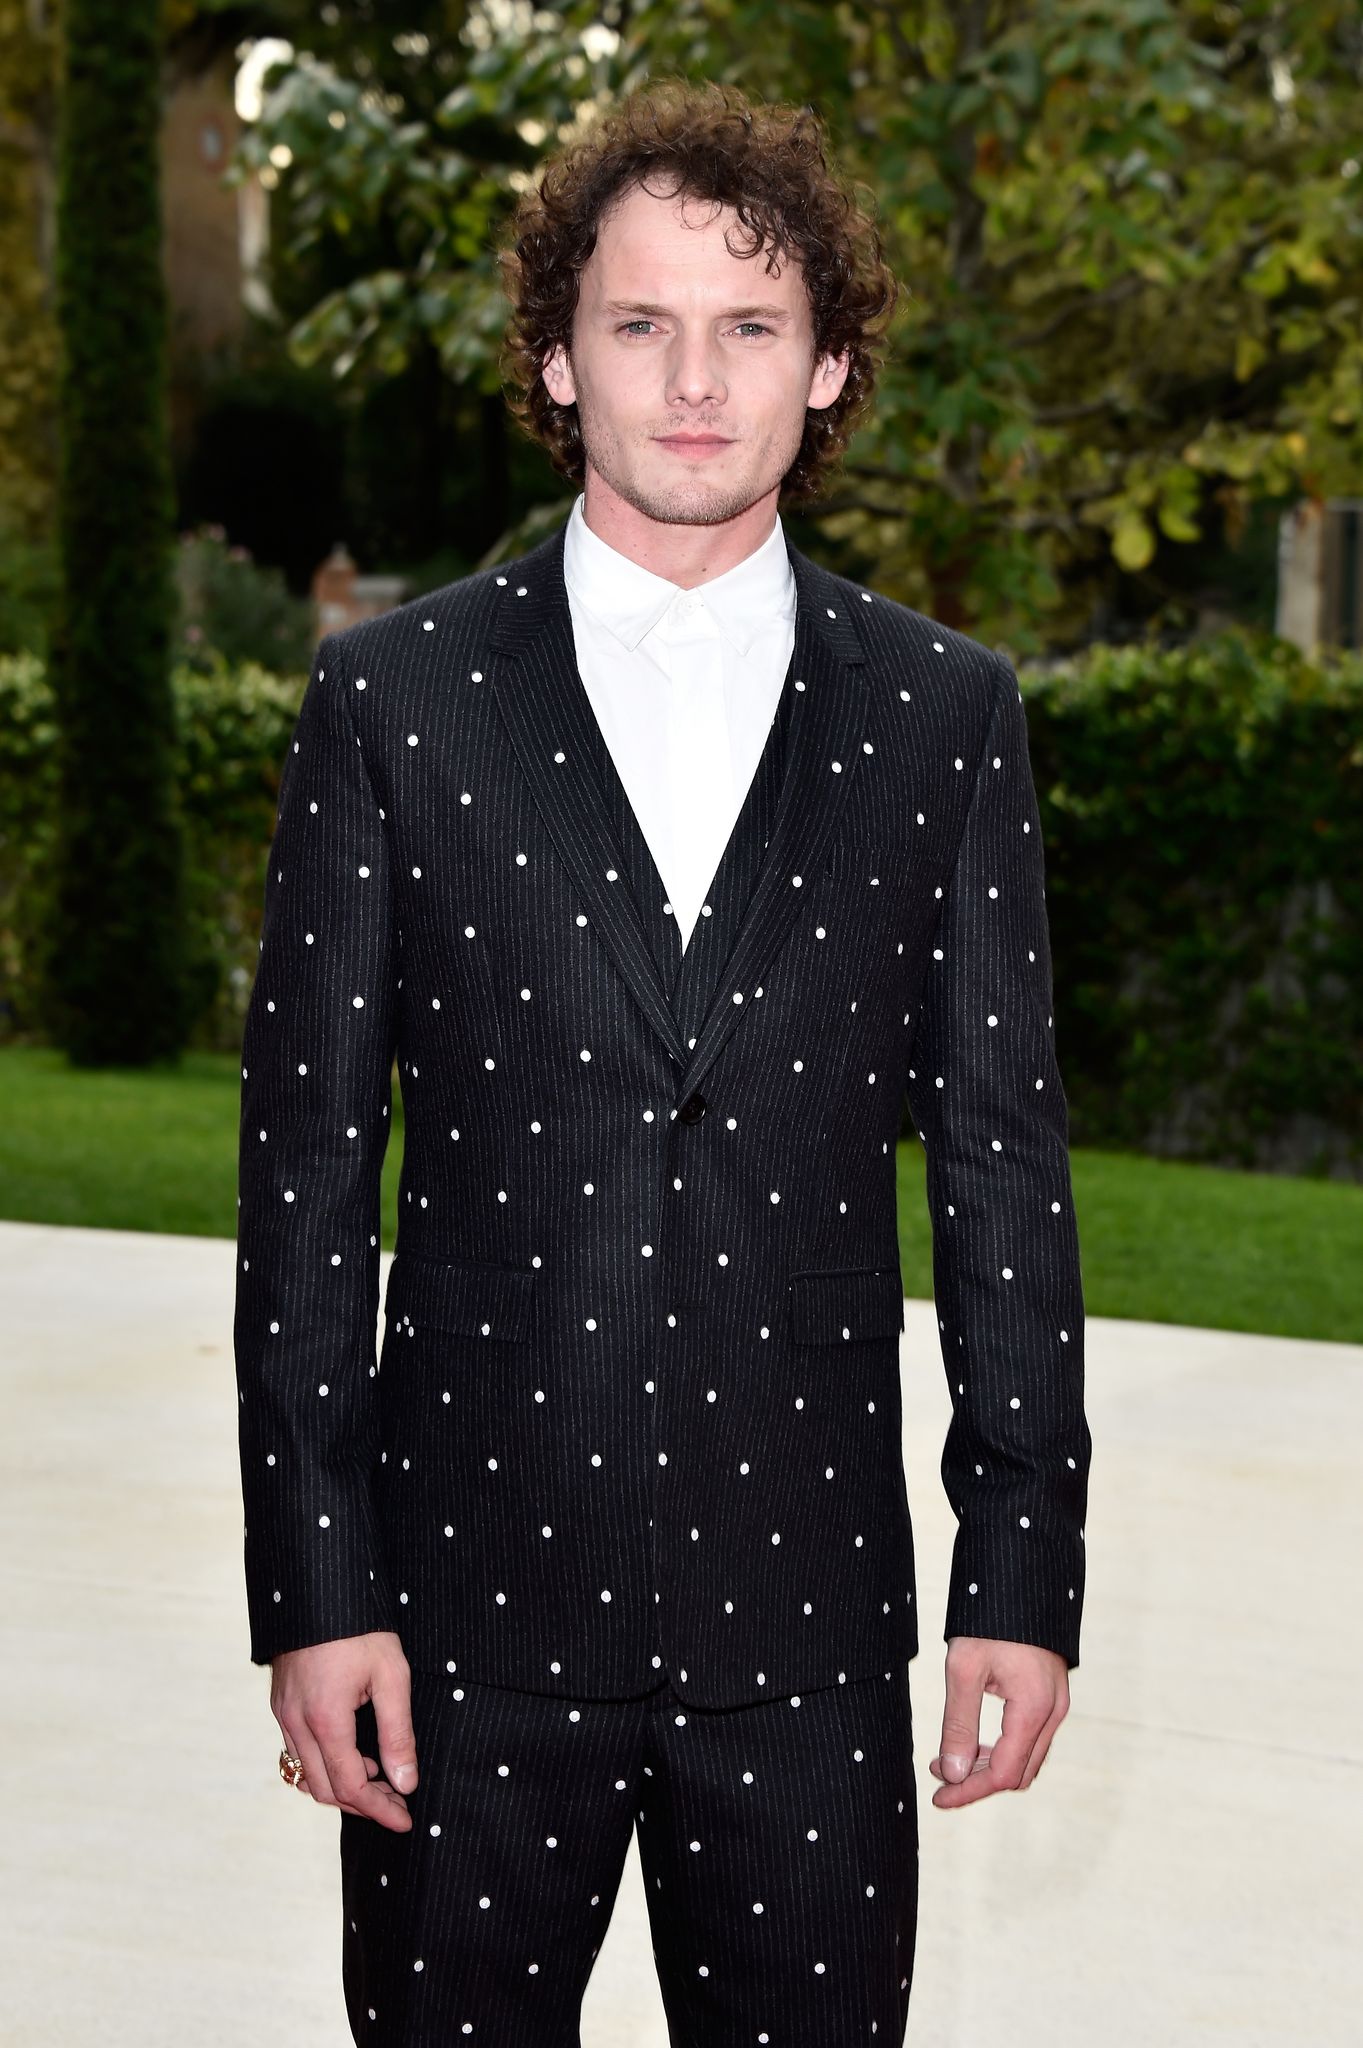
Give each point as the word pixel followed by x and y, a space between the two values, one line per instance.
pixel 392 1696
pixel 961 1726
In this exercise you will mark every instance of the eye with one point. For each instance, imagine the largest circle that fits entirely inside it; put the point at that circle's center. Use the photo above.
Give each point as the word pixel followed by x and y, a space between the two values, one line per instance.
pixel 643 321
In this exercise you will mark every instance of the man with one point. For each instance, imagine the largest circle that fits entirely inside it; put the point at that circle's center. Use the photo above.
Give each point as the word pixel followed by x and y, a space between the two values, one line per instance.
pixel 664 860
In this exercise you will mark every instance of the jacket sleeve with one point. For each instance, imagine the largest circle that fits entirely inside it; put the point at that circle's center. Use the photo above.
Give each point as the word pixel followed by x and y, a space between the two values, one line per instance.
pixel 316 1061
pixel 988 1104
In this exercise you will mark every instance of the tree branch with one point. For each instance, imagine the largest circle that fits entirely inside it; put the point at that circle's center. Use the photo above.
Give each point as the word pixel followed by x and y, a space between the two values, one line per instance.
pixel 1061 415
pixel 1110 295
pixel 909 53
pixel 25 137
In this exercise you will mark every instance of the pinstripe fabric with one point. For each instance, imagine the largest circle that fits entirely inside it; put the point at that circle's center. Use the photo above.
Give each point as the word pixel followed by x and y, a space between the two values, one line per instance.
pixel 689 976
pixel 637 1410
pixel 778 1845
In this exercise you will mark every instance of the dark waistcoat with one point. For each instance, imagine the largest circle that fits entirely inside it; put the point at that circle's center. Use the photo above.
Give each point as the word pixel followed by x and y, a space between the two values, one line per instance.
pixel 690 975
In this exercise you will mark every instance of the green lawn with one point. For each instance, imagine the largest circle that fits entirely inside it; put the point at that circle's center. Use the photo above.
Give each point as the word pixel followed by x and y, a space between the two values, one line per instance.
pixel 1161 1242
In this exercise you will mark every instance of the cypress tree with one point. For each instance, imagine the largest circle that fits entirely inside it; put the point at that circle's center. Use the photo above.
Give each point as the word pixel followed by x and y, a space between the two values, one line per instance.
pixel 114 973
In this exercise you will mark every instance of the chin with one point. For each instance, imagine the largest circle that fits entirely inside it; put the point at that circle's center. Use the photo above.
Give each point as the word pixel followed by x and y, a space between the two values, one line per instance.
pixel 701 501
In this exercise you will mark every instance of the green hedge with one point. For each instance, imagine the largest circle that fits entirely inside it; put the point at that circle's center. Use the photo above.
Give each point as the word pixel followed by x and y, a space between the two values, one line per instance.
pixel 1202 809
pixel 234 727
pixel 1202 812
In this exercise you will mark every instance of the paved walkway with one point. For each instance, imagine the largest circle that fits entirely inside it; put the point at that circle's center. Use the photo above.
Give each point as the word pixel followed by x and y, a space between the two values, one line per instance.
pixel 1185 1868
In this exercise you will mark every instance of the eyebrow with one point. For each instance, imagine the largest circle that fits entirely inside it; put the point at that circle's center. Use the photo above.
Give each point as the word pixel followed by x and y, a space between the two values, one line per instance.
pixel 728 313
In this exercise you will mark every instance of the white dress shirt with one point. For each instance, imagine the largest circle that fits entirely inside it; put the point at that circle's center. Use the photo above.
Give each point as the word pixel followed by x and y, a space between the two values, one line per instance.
pixel 684 685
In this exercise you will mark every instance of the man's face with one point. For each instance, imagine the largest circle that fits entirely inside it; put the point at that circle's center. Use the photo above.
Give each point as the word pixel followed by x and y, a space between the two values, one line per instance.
pixel 676 337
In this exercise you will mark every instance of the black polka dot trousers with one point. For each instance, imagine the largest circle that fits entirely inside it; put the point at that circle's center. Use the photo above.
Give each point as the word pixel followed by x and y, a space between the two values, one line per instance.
pixel 778 1844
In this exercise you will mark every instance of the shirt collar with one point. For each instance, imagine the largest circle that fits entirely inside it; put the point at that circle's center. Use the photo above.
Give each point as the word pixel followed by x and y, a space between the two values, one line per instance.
pixel 630 600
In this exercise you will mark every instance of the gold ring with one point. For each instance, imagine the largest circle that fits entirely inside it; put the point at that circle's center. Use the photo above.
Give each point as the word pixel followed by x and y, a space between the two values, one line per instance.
pixel 291 1770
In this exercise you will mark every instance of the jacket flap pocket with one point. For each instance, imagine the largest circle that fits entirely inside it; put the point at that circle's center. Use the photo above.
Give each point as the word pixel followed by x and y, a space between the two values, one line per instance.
pixel 841 1306
pixel 466 1296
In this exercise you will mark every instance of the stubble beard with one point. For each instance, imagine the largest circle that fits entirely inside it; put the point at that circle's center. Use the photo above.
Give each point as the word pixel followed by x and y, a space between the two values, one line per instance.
pixel 689 500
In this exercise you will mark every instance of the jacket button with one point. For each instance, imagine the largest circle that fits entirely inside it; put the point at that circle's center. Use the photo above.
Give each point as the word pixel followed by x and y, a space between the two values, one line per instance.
pixel 693 1109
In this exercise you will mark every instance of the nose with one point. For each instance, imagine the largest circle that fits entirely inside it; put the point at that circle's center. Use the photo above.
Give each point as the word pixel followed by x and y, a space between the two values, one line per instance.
pixel 694 374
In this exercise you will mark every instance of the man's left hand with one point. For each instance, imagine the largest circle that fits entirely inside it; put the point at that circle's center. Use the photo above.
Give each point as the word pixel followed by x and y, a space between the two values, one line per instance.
pixel 1033 1684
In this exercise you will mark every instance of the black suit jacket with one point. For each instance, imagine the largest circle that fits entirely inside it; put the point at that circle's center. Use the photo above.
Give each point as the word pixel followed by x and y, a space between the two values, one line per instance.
pixel 638 1401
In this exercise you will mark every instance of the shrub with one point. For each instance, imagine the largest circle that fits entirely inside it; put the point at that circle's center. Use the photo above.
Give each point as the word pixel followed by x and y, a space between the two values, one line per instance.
pixel 233 730
pixel 232 607
pixel 1202 816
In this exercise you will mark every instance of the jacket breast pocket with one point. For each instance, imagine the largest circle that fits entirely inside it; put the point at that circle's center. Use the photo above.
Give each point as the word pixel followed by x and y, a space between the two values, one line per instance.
pixel 876 905
pixel 845 1305
pixel 463 1297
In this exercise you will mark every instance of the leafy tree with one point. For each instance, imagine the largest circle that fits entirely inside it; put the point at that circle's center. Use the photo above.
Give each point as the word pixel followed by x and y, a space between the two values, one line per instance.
pixel 411 494
pixel 28 335
pixel 1132 235
pixel 1129 231
pixel 115 964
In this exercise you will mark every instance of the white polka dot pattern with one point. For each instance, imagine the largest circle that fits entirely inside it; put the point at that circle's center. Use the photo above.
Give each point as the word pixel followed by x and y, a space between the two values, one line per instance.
pixel 986 1097
pixel 780 1843
pixel 638 1401
pixel 318 1053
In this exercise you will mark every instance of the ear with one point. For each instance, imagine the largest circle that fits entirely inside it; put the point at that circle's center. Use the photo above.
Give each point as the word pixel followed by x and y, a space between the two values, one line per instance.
pixel 557 376
pixel 830 374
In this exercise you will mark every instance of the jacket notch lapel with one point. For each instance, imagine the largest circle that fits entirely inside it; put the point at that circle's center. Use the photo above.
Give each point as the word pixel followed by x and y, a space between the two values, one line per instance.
pixel 550 722
pixel 827 726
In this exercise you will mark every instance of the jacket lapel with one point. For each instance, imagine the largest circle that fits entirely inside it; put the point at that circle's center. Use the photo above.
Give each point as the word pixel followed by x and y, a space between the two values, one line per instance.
pixel 827 724
pixel 650 892
pixel 553 729
pixel 730 888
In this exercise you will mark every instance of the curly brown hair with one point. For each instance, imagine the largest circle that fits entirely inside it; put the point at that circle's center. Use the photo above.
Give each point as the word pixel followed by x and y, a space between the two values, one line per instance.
pixel 709 141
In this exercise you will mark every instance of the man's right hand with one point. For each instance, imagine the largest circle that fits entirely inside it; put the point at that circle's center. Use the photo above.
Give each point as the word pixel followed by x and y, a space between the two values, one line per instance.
pixel 313 1695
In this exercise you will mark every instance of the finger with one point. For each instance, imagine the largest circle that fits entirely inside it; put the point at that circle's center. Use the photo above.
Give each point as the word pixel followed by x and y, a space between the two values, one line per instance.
pixel 1059 1709
pixel 981 1763
pixel 303 1744
pixel 392 1699
pixel 354 1792
pixel 1023 1720
pixel 977 1786
pixel 960 1744
pixel 1039 1750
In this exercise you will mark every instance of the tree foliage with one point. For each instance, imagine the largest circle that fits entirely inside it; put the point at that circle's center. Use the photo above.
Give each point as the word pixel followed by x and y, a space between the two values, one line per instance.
pixel 1130 235
pixel 115 961
pixel 28 339
pixel 1129 229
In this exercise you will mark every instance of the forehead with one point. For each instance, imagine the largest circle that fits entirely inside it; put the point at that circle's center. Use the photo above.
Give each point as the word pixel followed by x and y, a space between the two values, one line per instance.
pixel 649 237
